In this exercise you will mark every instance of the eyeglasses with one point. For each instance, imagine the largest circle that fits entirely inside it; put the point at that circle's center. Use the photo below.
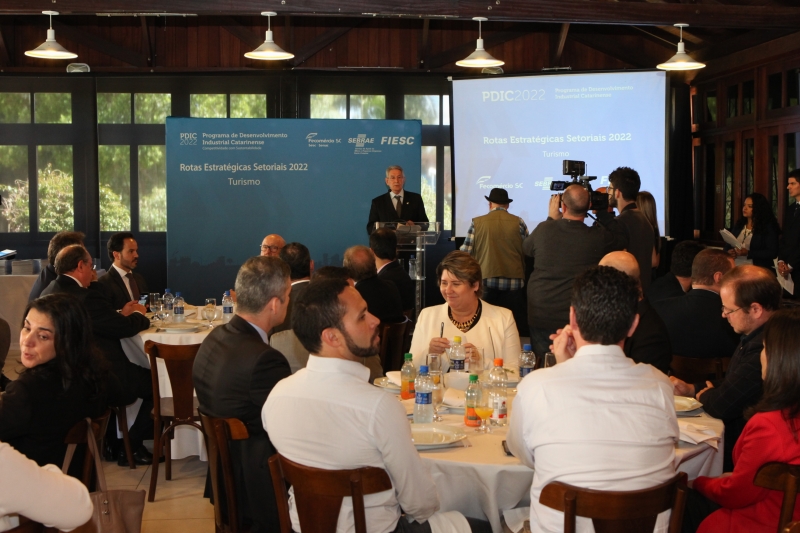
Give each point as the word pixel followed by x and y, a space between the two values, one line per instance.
pixel 265 247
pixel 726 313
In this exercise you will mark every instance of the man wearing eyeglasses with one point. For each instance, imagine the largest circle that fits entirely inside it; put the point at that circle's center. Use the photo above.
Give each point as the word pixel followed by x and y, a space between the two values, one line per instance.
pixel 272 245
pixel 397 205
pixel 750 295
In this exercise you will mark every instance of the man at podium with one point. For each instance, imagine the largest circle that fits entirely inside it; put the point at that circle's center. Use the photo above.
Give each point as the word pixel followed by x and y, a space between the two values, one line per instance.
pixel 397 205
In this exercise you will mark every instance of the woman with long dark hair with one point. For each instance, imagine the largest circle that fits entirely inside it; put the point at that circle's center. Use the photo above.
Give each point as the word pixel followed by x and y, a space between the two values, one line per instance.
pixel 772 434
pixel 757 231
pixel 62 383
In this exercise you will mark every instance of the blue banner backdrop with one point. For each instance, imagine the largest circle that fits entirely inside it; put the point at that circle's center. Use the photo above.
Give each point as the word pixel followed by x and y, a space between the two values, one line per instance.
pixel 230 182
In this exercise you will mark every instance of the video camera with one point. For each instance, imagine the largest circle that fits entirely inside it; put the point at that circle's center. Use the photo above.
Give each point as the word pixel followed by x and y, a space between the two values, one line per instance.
pixel 577 169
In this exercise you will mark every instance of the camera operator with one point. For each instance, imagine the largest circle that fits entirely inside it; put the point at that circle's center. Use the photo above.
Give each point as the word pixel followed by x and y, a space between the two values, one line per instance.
pixel 562 247
pixel 632 231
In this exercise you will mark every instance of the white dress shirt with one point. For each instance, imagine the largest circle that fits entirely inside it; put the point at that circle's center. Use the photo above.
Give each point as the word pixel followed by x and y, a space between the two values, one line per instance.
pixel 124 275
pixel 327 415
pixel 596 421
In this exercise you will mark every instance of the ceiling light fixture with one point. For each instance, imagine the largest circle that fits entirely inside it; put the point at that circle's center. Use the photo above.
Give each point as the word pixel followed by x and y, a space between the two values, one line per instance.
pixel 480 58
pixel 269 51
pixel 681 60
pixel 50 49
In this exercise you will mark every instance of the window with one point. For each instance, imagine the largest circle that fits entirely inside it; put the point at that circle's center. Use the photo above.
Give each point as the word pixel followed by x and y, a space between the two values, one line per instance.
pixel 733 100
pixel 208 106
pixel 152 188
pixel 52 108
pixel 368 106
pixel 113 108
pixel 773 172
pixel 710 187
pixel 14 214
pixel 328 106
pixel 748 97
pixel 428 181
pixel 54 176
pixel 152 108
pixel 446 110
pixel 711 106
pixel 422 107
pixel 792 140
pixel 793 87
pixel 448 191
pixel 749 166
pixel 15 108
pixel 774 82
pixel 730 161
pixel 248 105
pixel 114 168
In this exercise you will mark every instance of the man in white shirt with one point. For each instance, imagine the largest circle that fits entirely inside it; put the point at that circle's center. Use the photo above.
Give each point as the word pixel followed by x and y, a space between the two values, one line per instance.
pixel 597 419
pixel 328 416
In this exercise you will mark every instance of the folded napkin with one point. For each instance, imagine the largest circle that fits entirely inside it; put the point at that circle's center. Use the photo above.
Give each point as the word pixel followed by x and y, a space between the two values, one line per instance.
pixel 515 518
pixel 696 433
pixel 453 398
pixel 394 377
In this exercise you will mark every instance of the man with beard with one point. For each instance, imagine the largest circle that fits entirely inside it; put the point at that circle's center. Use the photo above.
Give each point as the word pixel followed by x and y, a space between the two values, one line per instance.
pixel 328 416
pixel 121 283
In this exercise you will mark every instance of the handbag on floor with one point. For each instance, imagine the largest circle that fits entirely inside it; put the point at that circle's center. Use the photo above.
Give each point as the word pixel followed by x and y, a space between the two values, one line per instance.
pixel 115 511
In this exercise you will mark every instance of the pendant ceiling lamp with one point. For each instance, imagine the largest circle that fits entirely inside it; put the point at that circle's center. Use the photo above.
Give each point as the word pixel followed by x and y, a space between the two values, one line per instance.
pixel 681 60
pixel 480 58
pixel 50 49
pixel 269 51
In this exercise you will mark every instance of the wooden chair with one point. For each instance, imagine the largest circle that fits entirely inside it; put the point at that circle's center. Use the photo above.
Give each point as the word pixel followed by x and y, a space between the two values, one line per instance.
pixel 791 527
pixel 783 477
pixel 218 433
pixel 178 410
pixel 392 343
pixel 318 493
pixel 122 422
pixel 695 370
pixel 77 435
pixel 28 526
pixel 617 511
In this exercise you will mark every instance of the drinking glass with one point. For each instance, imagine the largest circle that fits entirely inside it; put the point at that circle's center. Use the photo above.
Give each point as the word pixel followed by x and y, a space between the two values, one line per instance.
pixel 152 297
pixel 434 362
pixel 476 361
pixel 549 359
pixel 156 307
pixel 437 395
pixel 210 311
pixel 484 407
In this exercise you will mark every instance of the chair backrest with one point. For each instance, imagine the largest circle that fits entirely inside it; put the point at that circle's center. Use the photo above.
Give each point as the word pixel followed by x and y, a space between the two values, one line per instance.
pixel 791 527
pixel 218 432
pixel 27 526
pixel 630 511
pixel 694 369
pixel 289 345
pixel 318 493
pixel 77 435
pixel 179 360
pixel 783 477
pixel 392 341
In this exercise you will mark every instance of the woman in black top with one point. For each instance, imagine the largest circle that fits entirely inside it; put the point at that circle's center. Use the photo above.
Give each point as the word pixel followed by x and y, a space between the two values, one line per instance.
pixel 758 232
pixel 63 380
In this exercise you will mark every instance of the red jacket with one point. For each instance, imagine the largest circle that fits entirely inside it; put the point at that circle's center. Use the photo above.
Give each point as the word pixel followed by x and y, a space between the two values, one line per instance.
pixel 745 507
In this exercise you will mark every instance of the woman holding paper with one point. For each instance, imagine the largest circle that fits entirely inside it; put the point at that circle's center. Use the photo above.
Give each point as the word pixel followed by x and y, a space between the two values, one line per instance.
pixel 756 234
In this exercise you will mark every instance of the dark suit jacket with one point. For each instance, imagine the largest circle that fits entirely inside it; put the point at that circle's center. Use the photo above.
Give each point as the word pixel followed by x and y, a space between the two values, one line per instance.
pixel 650 342
pixel 790 241
pixel 382 299
pixel 382 209
pixel 633 232
pixel 46 276
pixel 234 372
pixel 763 245
pixel 109 327
pixel 115 288
pixel 667 286
pixel 397 275
pixel 297 289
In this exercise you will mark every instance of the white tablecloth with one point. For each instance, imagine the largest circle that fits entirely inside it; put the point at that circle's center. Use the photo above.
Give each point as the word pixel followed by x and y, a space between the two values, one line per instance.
pixel 14 292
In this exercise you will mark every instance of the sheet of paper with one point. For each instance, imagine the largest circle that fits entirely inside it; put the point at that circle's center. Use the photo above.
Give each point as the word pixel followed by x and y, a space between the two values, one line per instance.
pixel 787 284
pixel 728 237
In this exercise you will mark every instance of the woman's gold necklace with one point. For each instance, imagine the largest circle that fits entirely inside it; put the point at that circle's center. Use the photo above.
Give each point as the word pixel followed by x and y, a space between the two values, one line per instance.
pixel 464 326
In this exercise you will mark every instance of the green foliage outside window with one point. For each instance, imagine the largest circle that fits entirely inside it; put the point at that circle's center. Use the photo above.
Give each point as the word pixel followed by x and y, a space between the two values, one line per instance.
pixel 114 166
pixel 15 108
pixel 248 106
pixel 328 106
pixel 13 180
pixel 152 188
pixel 208 106
pixel 152 108
pixel 422 107
pixel 368 106
pixel 52 108
pixel 113 108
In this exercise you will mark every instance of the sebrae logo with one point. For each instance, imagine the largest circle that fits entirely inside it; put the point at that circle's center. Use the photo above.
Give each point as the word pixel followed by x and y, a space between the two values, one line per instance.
pixel 311 135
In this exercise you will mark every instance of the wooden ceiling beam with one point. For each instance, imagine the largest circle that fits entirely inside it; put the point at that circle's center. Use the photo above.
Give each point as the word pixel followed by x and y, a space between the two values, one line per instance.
pixel 559 42
pixel 5 56
pixel 632 56
pixel 148 49
pixel 748 58
pixel 308 50
pixel 770 16
pixel 95 42
pixel 489 40
pixel 737 44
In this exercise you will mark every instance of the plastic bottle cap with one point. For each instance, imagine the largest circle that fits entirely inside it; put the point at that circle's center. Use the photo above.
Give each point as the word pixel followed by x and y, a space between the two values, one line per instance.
pixel 526 347
pixel 498 361
pixel 227 293
pixel 177 295
pixel 408 357
pixel 166 291
pixel 423 369
pixel 456 339
pixel 473 378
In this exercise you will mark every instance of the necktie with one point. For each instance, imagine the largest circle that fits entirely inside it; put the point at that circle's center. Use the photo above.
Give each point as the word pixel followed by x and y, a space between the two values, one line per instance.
pixel 134 286
pixel 398 204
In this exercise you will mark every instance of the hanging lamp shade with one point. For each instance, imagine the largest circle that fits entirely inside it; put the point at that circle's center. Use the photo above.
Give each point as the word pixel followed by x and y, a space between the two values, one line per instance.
pixel 480 58
pixel 50 49
pixel 681 60
pixel 269 51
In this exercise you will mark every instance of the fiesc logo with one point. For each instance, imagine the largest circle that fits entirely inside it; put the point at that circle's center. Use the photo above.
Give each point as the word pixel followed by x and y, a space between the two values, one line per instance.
pixel 188 139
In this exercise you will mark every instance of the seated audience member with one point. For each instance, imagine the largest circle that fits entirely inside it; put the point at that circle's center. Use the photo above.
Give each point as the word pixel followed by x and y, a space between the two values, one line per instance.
pixel 750 295
pixel 272 245
pixel 678 281
pixel 757 232
pixel 650 342
pixel 301 266
pixel 5 344
pixel 331 271
pixel 48 273
pixel 74 268
pixel 647 205
pixel 695 326
pixel 63 381
pixel 383 243
pixel 596 419
pixel 465 315
pixel 328 416
pixel 234 372
pixel 42 494
pixel 382 297
pixel 771 434
pixel 121 283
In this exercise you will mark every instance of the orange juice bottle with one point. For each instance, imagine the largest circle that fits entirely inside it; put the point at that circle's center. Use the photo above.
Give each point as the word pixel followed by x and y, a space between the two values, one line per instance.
pixel 407 376
pixel 471 418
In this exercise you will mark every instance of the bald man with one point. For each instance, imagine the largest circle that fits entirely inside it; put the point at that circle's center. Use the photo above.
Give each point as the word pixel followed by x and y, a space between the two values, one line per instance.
pixel 650 342
pixel 272 245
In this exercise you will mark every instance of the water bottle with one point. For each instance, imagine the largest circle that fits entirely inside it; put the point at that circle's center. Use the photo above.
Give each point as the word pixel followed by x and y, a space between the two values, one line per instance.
pixel 178 308
pixel 227 307
pixel 407 376
pixel 423 396
pixel 498 382
pixel 169 301
pixel 527 361
pixel 457 356
pixel 472 397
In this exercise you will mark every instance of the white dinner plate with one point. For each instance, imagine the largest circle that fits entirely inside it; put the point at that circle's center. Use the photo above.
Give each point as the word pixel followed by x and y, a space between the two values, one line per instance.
pixel 430 436
pixel 384 383
pixel 683 404
pixel 180 328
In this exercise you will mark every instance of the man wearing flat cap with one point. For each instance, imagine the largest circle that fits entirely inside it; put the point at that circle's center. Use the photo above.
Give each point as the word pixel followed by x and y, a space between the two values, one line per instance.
pixel 495 241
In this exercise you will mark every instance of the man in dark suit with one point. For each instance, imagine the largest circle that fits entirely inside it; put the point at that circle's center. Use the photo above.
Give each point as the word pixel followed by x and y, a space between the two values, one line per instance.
pixel 695 326
pixel 75 277
pixel 789 252
pixel 383 243
pixel 397 205
pixel 300 264
pixel 234 372
pixel 121 283
pixel 48 273
pixel 679 278
pixel 382 297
